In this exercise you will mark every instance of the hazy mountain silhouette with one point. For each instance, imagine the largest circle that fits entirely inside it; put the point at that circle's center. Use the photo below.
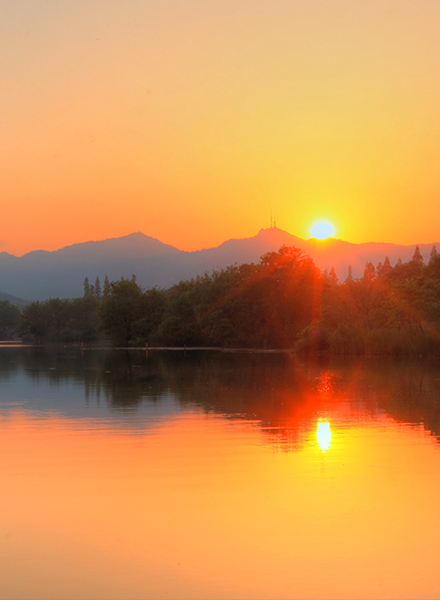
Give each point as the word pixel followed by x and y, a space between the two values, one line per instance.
pixel 41 274
pixel 13 300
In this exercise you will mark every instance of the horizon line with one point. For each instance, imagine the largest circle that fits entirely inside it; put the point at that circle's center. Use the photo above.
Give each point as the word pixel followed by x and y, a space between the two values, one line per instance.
pixel 272 227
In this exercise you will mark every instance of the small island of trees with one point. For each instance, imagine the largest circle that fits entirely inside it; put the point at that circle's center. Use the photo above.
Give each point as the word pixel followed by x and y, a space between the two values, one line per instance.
pixel 283 302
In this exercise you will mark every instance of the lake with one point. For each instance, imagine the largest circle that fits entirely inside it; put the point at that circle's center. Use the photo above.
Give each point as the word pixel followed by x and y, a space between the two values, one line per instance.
pixel 211 475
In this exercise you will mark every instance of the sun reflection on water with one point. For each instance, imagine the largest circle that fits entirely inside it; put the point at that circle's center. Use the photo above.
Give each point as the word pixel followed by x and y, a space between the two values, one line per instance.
pixel 324 435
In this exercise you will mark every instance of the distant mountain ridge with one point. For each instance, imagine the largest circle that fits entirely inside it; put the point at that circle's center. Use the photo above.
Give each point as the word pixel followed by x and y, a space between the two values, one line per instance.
pixel 13 300
pixel 41 274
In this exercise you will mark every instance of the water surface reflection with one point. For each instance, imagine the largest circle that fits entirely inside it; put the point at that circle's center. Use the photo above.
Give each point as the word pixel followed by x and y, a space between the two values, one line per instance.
pixel 286 397
pixel 217 475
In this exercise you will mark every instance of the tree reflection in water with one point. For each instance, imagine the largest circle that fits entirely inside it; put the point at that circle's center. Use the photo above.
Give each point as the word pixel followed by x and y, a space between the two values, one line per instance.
pixel 285 396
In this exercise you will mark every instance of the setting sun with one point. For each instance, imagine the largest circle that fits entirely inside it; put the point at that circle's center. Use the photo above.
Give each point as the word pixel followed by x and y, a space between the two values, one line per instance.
pixel 322 230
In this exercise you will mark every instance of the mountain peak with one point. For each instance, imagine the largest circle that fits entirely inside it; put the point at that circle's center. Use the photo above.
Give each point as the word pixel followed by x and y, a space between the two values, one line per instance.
pixel 275 233
pixel 133 244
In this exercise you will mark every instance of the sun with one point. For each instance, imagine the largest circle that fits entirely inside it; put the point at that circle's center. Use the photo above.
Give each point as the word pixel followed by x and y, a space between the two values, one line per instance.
pixel 322 230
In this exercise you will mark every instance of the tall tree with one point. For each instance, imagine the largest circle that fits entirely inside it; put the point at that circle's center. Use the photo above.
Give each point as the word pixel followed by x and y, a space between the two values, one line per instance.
pixel 121 308
pixel 386 266
pixel 98 288
pixel 106 289
pixel 86 285
pixel 417 255
pixel 369 272
pixel 333 277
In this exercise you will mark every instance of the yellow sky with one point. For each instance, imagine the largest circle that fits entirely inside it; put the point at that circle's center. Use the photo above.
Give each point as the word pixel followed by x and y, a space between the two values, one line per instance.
pixel 191 120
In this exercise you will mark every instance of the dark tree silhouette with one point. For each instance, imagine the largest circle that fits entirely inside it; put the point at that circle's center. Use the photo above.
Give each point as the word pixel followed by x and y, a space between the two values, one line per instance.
pixel 417 255
pixel 98 288
pixel 106 288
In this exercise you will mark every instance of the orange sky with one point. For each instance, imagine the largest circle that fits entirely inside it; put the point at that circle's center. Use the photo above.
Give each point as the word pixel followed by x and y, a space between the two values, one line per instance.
pixel 191 120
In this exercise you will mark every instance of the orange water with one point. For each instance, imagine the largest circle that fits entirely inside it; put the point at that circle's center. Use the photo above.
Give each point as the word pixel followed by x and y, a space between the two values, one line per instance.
pixel 336 499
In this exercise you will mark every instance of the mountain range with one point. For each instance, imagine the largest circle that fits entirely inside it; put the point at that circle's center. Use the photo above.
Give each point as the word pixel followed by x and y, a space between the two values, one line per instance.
pixel 41 274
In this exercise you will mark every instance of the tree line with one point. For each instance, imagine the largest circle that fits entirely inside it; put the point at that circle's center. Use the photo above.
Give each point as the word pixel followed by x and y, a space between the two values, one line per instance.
pixel 284 301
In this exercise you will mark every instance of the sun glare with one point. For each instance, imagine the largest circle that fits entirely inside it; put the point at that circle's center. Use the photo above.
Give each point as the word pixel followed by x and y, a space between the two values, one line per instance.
pixel 324 435
pixel 322 230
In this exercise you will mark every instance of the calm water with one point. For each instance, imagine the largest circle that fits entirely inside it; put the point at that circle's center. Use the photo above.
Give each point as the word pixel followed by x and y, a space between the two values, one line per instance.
pixel 217 476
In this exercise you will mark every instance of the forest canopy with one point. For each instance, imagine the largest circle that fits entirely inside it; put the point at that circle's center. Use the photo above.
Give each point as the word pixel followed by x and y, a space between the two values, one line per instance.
pixel 284 301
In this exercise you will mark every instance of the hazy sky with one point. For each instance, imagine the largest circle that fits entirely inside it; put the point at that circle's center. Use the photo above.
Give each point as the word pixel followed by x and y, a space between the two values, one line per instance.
pixel 191 120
